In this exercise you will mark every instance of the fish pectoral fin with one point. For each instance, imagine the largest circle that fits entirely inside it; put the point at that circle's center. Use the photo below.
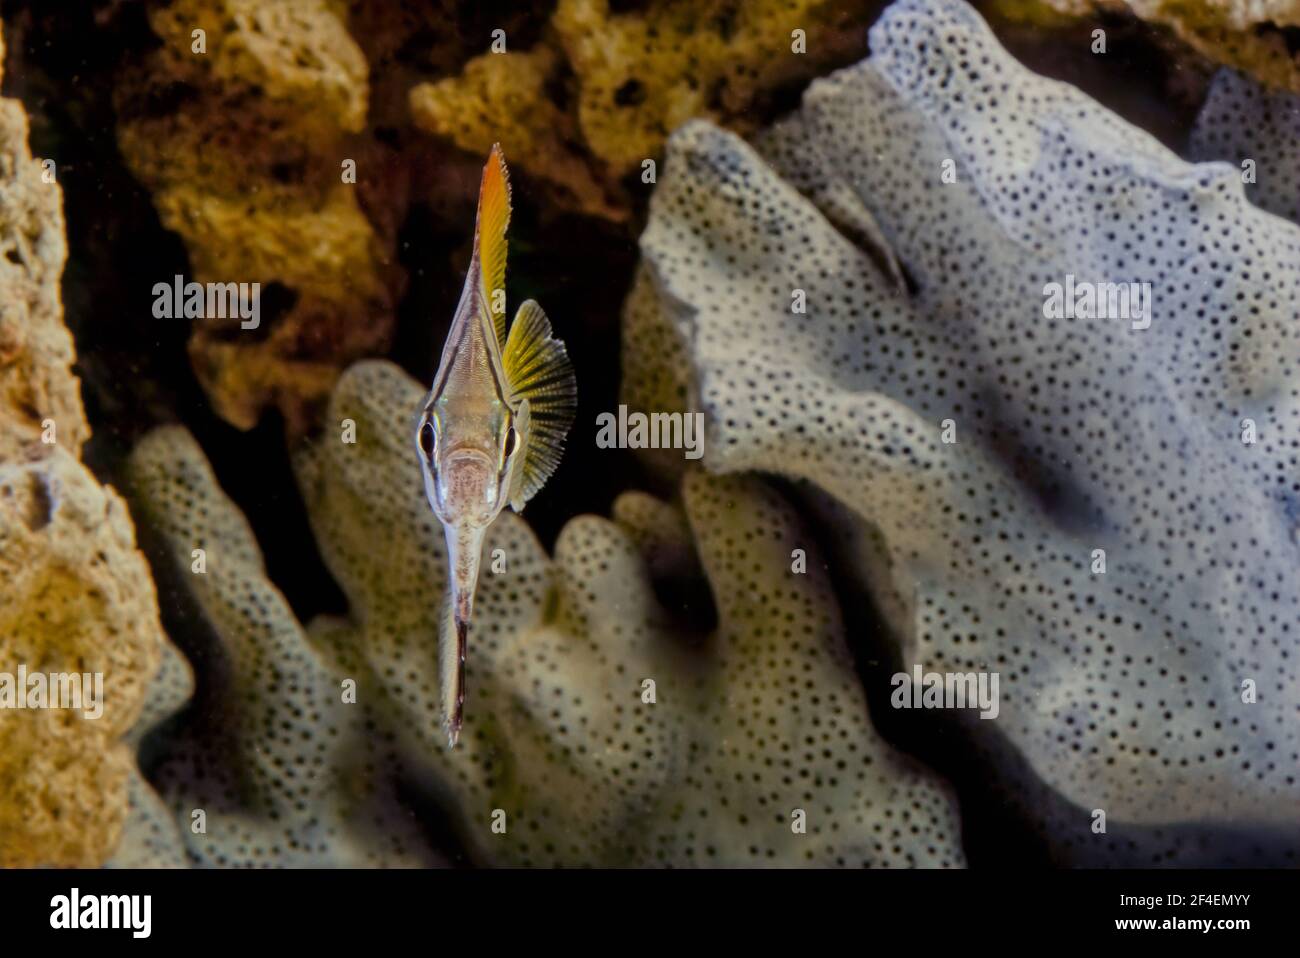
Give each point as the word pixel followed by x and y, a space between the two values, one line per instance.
pixel 538 370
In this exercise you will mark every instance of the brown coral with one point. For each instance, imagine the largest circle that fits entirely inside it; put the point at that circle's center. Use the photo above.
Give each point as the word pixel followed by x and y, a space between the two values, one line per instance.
pixel 35 347
pixel 77 595
pixel 1245 34
pixel 468 109
pixel 78 599
pixel 643 75
pixel 635 77
pixel 244 143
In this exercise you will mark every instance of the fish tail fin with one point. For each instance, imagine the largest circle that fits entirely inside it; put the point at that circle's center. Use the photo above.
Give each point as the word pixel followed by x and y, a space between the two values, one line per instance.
pixel 538 370
pixel 463 548
pixel 490 238
pixel 451 670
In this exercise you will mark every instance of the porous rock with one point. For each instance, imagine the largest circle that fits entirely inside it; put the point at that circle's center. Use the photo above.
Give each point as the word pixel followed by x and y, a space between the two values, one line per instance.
pixel 243 146
pixel 595 99
pixel 1248 35
pixel 76 596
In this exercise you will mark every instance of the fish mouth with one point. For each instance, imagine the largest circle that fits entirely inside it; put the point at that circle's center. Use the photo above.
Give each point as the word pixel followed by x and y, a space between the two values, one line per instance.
pixel 467 454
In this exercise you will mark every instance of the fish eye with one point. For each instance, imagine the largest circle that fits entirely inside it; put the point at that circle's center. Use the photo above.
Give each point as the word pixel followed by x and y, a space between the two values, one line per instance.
pixel 512 440
pixel 428 438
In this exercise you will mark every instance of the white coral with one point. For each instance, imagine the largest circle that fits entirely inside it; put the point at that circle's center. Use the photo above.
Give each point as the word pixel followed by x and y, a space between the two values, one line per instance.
pixel 750 724
pixel 1122 690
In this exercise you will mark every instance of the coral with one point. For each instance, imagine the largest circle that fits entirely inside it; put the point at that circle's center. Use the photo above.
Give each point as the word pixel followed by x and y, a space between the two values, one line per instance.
pixel 77 596
pixel 77 599
pixel 560 735
pixel 505 98
pixel 242 147
pixel 277 762
pixel 297 54
pixel 1161 691
pixel 36 353
pixel 1245 34
pixel 643 74
pixel 1258 131
pixel 150 836
pixel 635 75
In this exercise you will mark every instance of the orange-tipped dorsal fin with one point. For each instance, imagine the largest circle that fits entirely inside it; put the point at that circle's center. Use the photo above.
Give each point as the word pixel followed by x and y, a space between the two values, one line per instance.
pixel 490 238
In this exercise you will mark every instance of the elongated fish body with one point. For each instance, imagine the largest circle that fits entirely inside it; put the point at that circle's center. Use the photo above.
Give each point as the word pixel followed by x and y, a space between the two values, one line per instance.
pixel 492 428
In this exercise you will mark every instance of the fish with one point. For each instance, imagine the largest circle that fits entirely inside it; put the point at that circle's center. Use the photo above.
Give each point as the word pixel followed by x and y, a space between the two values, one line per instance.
pixel 493 425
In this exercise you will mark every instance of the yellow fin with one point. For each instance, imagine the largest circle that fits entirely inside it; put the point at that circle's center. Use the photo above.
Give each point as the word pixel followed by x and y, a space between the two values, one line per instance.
pixel 490 237
pixel 538 370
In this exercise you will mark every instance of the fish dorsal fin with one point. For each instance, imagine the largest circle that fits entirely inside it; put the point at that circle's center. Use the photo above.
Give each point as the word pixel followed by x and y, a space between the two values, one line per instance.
pixel 538 370
pixel 490 238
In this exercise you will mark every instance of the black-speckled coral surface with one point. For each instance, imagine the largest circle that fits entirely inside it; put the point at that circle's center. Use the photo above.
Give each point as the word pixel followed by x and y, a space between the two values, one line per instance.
pixel 993 449
pixel 1120 690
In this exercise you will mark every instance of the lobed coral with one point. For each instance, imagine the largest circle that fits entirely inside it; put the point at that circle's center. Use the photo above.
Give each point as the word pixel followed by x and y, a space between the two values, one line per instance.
pixel 273 764
pixel 1104 514
pixel 150 835
pixel 77 596
pixel 564 745
pixel 1258 131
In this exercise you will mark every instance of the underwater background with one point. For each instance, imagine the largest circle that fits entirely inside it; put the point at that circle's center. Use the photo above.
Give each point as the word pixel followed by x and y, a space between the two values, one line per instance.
pixel 830 228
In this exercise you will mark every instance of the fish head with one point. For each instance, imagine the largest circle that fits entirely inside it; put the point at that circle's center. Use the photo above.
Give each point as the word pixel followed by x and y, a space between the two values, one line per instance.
pixel 468 463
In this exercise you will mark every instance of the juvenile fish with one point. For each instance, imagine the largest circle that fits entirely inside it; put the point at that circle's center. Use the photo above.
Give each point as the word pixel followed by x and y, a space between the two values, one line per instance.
pixel 492 428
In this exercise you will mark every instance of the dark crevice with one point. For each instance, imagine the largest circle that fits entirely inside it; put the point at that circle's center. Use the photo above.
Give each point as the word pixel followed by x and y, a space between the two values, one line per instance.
pixel 1290 35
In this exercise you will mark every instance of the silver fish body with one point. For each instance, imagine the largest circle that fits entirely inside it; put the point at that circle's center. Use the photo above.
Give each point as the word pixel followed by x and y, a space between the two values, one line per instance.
pixel 493 425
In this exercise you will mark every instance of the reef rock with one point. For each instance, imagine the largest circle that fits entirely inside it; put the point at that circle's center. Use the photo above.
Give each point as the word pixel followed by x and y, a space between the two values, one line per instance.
pixel 242 136
pixel 600 93
pixel 596 732
pixel 505 98
pixel 36 351
pixel 77 596
pixel 1103 511
pixel 1248 35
